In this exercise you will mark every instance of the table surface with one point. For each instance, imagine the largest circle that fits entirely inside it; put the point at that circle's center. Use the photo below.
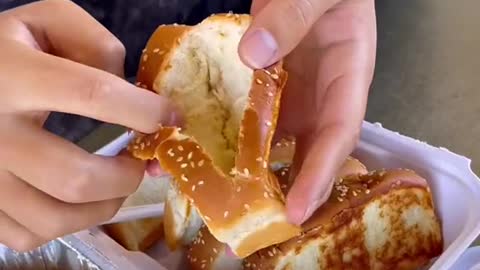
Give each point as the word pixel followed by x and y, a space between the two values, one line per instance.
pixel 426 79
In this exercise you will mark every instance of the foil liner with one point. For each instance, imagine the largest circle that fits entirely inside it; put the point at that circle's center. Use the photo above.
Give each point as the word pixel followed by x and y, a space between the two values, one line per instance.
pixel 55 255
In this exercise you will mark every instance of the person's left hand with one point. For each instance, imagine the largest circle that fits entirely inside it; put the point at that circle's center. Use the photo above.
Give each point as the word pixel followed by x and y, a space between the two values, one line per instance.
pixel 329 48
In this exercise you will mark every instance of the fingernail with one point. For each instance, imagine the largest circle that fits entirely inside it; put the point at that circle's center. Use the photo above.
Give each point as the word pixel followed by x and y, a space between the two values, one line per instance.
pixel 311 208
pixel 229 252
pixel 259 48
pixel 154 170
pixel 299 216
pixel 175 118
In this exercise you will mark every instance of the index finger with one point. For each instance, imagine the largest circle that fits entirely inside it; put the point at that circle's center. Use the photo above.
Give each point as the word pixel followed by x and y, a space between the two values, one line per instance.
pixel 320 154
pixel 55 84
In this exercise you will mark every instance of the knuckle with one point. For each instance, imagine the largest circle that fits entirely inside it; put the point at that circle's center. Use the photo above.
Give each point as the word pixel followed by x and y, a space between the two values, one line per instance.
pixel 24 243
pixel 303 11
pixel 78 189
pixel 96 89
pixel 113 47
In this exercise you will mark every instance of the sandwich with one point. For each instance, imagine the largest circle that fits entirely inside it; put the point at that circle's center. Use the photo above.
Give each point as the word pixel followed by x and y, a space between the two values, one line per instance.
pixel 219 160
pixel 229 180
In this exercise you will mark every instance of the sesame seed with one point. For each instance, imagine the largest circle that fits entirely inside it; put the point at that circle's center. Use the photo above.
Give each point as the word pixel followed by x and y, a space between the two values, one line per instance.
pixel 138 84
pixel 135 147
pixel 354 193
pixel 215 250
pixel 225 214
pixel 265 165
pixel 246 172
pixel 268 123
pixel 258 81
pixel 203 266
pixel 170 152
pixel 184 178
pixel 148 143
pixel 183 165
pixel 200 183
pixel 179 159
pixel 339 199
pixel 203 242
pixel 265 194
pixel 192 164
pixel 270 253
pixel 145 57
pixel 156 136
pixel 156 50
pixel 239 188
pixel 200 163
pixel 193 188
pixel 207 218
pixel 246 206
pixel 259 159
pixel 367 191
pixel 267 85
pixel 282 173
pixel 275 76
pixel 189 156
pixel 180 148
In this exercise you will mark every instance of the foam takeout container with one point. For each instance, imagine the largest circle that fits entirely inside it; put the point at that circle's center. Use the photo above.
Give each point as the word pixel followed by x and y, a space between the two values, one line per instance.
pixel 455 188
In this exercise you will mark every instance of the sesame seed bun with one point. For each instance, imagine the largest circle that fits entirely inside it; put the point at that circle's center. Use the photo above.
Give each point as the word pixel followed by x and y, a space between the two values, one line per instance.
pixel 219 161
pixel 206 253
pixel 380 220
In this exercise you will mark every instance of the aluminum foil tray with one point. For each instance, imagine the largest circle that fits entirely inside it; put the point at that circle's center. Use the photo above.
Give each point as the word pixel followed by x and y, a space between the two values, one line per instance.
pixel 57 254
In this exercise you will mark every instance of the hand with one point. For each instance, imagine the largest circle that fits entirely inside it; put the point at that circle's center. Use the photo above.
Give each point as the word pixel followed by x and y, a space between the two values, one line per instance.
pixel 330 54
pixel 54 57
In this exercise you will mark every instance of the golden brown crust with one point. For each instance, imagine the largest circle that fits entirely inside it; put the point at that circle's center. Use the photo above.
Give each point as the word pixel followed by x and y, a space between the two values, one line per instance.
pixel 339 223
pixel 206 249
pixel 138 235
pixel 222 200
pixel 158 49
pixel 204 252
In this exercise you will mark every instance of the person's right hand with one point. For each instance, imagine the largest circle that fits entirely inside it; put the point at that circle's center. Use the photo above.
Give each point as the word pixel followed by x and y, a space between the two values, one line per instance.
pixel 55 57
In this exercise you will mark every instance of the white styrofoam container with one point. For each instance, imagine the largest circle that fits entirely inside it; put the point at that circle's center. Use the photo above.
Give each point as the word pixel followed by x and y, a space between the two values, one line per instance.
pixel 470 260
pixel 455 188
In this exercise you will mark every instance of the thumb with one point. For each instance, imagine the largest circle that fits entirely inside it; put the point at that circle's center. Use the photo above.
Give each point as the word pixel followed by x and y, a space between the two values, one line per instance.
pixel 277 28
